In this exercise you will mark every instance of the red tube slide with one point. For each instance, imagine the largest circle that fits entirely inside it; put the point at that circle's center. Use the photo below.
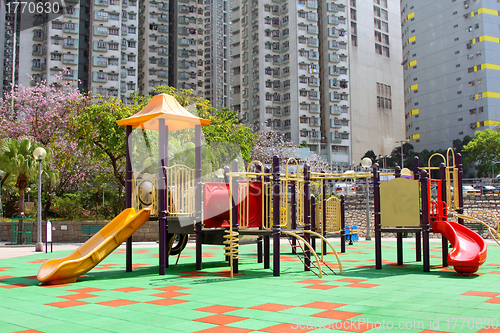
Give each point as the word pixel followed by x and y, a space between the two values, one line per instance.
pixel 469 248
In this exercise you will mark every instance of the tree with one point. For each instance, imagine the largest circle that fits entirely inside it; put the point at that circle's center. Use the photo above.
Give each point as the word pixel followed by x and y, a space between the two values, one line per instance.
pixel 482 150
pixel 44 113
pixel 22 164
pixel 99 135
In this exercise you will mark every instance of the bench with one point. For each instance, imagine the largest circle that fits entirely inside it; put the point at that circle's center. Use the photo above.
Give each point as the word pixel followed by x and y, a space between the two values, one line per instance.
pixel 475 226
pixel 89 230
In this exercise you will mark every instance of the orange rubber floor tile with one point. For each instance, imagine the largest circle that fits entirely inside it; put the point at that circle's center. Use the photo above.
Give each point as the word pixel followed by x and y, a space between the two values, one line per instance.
pixel 67 304
pixel 311 281
pixel 117 302
pixel 271 307
pixel 77 296
pixel 167 301
pixel 335 314
pixel 351 280
pixel 225 329
pixel 218 309
pixel 128 289
pixel 362 285
pixel 169 294
pixel 220 319
pixel 480 293
pixel 323 305
pixel 171 288
pixel 87 290
pixel 285 328
pixel 494 301
pixel 320 286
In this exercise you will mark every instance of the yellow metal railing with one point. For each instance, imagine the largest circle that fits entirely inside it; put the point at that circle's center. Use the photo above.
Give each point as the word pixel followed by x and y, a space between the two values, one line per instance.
pixel 181 190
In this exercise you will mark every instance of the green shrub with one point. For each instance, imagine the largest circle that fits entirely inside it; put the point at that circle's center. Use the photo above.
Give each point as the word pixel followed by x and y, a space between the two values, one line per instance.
pixel 69 206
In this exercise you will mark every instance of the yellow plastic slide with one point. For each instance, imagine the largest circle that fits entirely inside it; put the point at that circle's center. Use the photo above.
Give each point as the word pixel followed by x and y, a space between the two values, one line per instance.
pixel 87 256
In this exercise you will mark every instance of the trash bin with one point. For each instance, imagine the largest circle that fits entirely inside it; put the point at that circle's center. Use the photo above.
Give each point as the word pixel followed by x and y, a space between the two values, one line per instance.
pixel 21 231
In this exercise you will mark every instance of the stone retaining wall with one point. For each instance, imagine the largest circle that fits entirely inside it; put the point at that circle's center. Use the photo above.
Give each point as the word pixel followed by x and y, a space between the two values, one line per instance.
pixel 71 232
pixel 355 211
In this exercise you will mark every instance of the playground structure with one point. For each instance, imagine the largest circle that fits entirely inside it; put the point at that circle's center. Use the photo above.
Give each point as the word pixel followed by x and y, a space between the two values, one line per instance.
pixel 423 205
pixel 268 203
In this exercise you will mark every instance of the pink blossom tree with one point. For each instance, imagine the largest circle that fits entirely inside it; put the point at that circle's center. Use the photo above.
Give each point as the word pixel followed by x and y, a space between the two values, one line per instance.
pixel 45 113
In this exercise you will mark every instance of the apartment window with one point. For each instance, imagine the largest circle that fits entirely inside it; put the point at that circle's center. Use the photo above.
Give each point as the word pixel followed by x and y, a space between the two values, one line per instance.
pixel 131 72
pixel 131 30
pixel 378 48
pixel 354 40
pixel 354 28
pixel 353 14
pixel 353 3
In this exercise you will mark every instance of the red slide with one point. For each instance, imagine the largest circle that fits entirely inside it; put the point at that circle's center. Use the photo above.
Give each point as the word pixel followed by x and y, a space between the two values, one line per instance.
pixel 469 248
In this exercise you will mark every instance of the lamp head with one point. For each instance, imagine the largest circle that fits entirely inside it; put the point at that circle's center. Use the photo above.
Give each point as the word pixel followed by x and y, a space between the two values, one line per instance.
pixel 366 162
pixel 39 153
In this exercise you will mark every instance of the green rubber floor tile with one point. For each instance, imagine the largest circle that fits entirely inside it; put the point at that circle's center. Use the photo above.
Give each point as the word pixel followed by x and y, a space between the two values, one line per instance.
pixel 66 327
pixel 253 324
pixel 9 328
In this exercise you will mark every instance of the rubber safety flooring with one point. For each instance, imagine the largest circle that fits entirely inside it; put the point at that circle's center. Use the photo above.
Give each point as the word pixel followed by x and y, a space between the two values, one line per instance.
pixel 362 299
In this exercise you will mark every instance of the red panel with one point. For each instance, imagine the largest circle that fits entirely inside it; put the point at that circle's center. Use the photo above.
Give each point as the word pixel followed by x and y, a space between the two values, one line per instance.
pixel 216 203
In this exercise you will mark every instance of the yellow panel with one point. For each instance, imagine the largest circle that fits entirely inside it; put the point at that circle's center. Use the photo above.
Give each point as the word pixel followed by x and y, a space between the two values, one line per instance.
pixel 491 66
pixel 491 94
pixel 487 11
pixel 415 136
pixel 489 39
pixel 415 111
pixel 413 87
pixel 411 39
pixel 411 15
pixel 491 123
pixel 400 203
pixel 413 63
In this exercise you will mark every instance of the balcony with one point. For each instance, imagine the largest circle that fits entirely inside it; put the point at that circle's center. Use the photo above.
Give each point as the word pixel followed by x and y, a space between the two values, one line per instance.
pixel 69 75
pixel 335 110
pixel 39 35
pixel 104 3
pixel 335 123
pixel 38 67
pixel 163 40
pixel 69 59
pixel 70 44
pixel 163 63
pixel 39 51
pixel 162 74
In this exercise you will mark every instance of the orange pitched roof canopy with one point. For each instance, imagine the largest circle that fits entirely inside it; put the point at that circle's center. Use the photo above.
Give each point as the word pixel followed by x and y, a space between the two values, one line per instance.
pixel 166 107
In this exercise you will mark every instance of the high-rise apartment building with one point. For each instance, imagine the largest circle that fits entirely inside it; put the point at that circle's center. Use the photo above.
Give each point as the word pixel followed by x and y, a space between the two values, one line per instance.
pixel 117 47
pixel 10 51
pixel 376 77
pixel 451 69
pixel 294 72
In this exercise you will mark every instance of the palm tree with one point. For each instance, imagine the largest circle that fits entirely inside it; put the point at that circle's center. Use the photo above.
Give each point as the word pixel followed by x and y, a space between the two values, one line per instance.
pixel 5 168
pixel 21 163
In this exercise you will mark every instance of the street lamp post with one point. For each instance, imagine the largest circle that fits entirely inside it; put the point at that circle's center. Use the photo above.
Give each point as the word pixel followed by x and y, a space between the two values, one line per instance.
pixel 39 154
pixel 402 142
pixel 493 169
pixel 366 163
pixel 1 207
